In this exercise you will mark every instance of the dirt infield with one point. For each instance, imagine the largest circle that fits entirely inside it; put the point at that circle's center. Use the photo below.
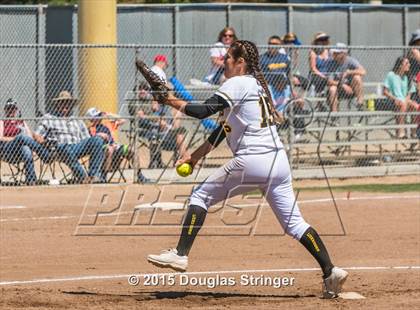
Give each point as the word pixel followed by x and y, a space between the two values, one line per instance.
pixel 71 247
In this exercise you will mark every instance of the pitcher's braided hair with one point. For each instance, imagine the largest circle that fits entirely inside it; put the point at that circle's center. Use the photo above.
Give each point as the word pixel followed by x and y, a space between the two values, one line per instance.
pixel 249 51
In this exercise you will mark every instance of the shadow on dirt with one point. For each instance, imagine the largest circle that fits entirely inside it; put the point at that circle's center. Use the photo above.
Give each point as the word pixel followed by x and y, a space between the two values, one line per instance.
pixel 187 294
pixel 179 294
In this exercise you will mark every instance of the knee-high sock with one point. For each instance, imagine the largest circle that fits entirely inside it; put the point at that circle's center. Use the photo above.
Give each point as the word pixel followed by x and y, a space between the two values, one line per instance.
pixel 192 224
pixel 313 243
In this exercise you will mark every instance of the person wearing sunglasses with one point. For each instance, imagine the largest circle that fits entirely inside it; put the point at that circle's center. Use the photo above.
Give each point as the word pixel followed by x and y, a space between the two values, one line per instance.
pixel 217 53
pixel 320 62
pixel 290 42
pixel 275 65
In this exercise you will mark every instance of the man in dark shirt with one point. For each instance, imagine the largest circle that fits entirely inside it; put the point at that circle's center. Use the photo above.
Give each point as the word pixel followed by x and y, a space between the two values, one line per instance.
pixel 274 62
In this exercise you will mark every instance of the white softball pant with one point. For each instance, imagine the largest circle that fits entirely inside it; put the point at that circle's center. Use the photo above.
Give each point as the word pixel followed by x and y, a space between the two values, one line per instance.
pixel 269 172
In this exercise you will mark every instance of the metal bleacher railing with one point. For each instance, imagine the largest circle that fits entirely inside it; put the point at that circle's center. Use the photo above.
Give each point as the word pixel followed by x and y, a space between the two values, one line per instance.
pixel 197 23
pixel 354 141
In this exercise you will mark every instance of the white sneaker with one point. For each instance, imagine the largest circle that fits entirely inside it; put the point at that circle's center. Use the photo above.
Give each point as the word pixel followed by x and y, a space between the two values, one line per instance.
pixel 333 284
pixel 169 258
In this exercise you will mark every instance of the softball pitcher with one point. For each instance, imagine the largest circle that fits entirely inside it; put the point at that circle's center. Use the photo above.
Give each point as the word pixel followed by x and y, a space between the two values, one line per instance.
pixel 260 161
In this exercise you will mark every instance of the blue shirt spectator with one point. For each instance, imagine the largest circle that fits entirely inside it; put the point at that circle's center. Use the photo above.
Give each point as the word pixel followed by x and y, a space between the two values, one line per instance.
pixel 273 63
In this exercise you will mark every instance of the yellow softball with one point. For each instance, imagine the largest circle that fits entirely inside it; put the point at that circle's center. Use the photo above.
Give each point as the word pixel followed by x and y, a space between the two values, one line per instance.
pixel 184 169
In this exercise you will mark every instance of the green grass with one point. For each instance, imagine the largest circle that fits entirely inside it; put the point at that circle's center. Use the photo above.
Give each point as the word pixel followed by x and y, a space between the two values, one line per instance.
pixel 369 188
pixel 372 188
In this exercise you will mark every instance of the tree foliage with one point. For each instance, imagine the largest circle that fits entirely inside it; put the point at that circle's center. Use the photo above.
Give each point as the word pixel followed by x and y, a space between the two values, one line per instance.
pixel 71 2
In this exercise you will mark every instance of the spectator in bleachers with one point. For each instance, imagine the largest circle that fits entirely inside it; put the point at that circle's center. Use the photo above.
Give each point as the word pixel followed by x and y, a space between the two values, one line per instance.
pixel 347 77
pixel 183 93
pixel 398 89
pixel 17 143
pixel 290 39
pixel 163 131
pixel 282 95
pixel 70 139
pixel 415 98
pixel 273 62
pixel 106 125
pixel 276 68
pixel 160 63
pixel 217 53
pixel 414 54
pixel 320 62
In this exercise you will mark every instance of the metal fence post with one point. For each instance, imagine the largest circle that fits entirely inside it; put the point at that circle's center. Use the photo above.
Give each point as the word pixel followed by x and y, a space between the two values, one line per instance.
pixel 289 18
pixel 228 9
pixel 175 37
pixel 38 112
pixel 136 163
pixel 404 25
pixel 349 17
pixel 291 138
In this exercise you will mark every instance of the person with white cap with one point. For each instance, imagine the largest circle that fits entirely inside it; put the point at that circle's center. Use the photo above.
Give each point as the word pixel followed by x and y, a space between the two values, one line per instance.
pixel 105 125
pixel 347 78
pixel 71 139
pixel 320 62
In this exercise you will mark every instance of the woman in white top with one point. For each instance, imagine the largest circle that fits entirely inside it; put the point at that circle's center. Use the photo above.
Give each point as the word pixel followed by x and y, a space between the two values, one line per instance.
pixel 217 53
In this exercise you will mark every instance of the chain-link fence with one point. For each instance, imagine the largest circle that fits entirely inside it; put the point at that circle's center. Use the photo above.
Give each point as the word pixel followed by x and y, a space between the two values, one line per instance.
pixel 21 24
pixel 337 115
pixel 34 74
pixel 355 24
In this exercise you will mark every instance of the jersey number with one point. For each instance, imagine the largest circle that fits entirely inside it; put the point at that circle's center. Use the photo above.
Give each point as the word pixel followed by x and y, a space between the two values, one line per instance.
pixel 226 127
pixel 266 118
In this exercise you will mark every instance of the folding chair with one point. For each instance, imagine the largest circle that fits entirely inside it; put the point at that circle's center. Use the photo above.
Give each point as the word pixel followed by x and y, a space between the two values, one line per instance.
pixel 16 170
pixel 119 163
pixel 50 165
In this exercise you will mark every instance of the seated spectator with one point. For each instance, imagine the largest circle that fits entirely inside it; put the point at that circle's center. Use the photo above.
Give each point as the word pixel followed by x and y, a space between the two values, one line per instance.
pixel 415 99
pixel 320 62
pixel 347 77
pixel 69 139
pixel 17 143
pixel 275 66
pixel 398 90
pixel 105 125
pixel 164 131
pixel 182 93
pixel 160 63
pixel 217 54
pixel 289 41
pixel 414 55
pixel 283 94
